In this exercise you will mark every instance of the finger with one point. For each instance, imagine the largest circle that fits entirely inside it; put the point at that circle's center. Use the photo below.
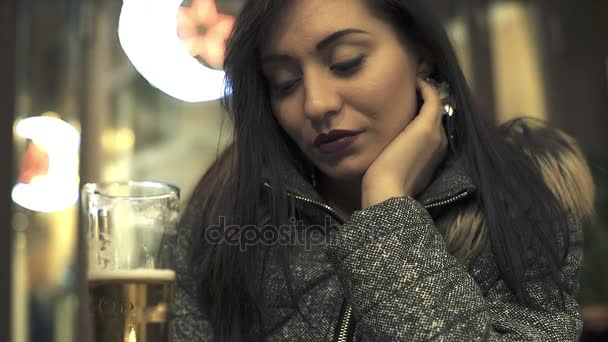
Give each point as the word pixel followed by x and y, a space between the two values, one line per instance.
pixel 432 107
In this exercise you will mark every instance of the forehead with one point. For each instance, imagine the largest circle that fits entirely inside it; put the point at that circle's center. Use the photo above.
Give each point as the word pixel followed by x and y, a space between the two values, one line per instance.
pixel 303 23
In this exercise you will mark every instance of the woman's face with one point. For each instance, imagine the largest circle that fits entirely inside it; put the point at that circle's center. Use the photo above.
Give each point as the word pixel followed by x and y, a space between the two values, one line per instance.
pixel 342 83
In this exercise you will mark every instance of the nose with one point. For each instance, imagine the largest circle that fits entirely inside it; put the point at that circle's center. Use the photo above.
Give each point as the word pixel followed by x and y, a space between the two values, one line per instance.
pixel 321 97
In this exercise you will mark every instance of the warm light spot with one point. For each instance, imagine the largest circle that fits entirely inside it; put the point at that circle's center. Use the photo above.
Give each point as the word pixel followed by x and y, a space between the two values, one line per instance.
pixel 118 140
pixel 517 63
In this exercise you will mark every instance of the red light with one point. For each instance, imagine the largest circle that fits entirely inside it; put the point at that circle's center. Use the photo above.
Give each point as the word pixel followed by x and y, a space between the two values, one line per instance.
pixel 204 31
pixel 35 163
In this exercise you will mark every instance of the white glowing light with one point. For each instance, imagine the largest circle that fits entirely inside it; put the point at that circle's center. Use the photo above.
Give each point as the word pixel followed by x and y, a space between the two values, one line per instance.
pixel 147 31
pixel 58 189
pixel 132 336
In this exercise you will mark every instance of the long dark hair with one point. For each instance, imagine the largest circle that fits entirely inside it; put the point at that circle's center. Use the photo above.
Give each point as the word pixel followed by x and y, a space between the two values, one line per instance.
pixel 521 213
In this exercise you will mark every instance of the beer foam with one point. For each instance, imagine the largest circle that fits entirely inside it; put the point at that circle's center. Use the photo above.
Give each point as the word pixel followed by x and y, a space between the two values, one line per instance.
pixel 136 275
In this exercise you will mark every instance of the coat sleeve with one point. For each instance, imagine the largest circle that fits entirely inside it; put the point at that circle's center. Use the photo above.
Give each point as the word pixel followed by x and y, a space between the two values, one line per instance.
pixel 403 285
pixel 189 324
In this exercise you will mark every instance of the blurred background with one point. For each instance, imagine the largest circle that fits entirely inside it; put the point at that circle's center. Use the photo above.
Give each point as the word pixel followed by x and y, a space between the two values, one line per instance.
pixel 97 90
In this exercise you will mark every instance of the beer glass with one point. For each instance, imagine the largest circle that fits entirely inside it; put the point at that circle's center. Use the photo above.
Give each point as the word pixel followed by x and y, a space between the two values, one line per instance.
pixel 131 278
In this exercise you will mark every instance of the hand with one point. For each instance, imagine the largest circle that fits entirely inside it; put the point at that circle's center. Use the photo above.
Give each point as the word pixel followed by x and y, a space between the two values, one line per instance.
pixel 406 165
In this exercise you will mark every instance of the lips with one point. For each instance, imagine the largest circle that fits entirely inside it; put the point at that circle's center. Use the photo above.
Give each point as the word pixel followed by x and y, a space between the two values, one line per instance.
pixel 335 141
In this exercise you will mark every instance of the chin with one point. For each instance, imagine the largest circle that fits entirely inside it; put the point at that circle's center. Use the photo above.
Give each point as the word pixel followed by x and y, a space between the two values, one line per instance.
pixel 343 172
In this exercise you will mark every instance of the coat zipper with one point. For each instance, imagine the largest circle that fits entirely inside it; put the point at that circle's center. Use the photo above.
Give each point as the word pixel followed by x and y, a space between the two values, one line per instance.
pixel 448 201
pixel 323 206
pixel 344 324
pixel 343 334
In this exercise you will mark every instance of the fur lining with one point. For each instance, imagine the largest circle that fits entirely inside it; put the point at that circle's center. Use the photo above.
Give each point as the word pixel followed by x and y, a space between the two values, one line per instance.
pixel 466 233
pixel 568 175
pixel 563 165
pixel 564 169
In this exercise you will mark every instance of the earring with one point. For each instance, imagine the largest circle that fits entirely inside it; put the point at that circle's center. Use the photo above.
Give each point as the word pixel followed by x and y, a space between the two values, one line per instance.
pixel 444 94
pixel 448 113
pixel 449 110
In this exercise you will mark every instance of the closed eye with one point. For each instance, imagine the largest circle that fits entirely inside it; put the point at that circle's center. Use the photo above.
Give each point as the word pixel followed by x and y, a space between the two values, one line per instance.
pixel 349 67
pixel 285 88
pixel 344 69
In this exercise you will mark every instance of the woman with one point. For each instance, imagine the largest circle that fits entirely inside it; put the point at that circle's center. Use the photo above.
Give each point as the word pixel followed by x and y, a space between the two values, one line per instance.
pixel 359 203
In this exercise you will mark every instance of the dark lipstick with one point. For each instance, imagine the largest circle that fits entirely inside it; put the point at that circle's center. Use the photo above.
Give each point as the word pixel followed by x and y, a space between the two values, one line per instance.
pixel 335 141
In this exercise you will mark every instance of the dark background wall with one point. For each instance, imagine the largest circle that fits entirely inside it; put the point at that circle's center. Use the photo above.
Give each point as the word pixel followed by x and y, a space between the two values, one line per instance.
pixel 7 101
pixel 574 58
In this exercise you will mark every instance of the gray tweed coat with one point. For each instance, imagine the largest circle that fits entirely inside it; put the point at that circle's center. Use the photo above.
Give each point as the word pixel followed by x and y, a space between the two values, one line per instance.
pixel 384 274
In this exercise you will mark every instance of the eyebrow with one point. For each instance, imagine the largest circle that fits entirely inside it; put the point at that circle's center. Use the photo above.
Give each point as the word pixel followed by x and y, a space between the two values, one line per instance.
pixel 323 44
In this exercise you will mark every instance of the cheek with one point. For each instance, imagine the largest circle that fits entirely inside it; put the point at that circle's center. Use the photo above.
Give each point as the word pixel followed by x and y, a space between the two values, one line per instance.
pixel 390 99
pixel 402 105
pixel 290 123
pixel 400 88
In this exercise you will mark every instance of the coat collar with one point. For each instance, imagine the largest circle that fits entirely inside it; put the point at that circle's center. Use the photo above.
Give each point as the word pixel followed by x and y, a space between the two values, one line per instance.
pixel 450 180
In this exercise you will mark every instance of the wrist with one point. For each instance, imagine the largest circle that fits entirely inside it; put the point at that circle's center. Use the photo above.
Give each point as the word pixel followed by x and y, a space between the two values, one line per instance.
pixel 380 192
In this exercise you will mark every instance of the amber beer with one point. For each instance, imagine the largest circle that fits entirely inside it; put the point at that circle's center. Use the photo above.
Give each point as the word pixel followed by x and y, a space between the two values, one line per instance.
pixel 131 305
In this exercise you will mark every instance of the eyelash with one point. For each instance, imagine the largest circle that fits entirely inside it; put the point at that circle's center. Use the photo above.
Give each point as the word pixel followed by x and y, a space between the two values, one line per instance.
pixel 349 67
pixel 345 69
pixel 285 88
